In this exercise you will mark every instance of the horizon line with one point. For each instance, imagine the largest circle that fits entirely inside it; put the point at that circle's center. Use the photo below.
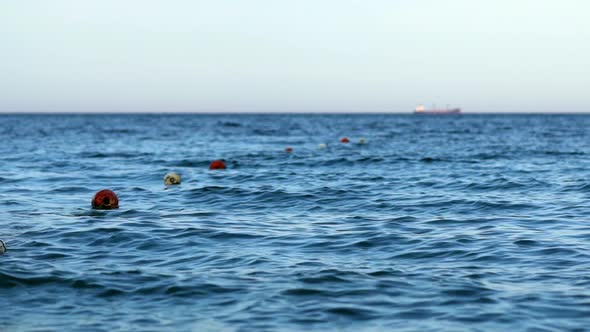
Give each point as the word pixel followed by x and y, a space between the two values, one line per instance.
pixel 287 112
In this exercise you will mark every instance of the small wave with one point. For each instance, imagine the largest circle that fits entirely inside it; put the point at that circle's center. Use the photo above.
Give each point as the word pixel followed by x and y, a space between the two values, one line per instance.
pixel 69 189
pixel 101 155
pixel 229 124
pixel 429 254
pixel 266 132
pixel 564 153
pixel 497 184
pixel 189 163
pixel 433 159
pixel 226 191
pixel 582 187
pixel 302 291
pixel 356 313
pixel 13 280
pixel 526 243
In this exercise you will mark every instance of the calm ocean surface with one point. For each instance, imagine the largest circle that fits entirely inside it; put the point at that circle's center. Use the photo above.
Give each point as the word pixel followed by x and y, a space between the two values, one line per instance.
pixel 438 223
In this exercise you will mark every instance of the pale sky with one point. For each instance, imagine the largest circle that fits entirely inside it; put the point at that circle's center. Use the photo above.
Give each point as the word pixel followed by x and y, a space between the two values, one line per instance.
pixel 304 55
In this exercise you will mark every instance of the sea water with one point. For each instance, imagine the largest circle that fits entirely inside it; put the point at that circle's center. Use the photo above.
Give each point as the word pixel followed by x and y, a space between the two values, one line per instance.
pixel 437 223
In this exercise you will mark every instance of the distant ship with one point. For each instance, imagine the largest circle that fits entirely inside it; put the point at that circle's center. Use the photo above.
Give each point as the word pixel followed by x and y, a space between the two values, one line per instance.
pixel 420 109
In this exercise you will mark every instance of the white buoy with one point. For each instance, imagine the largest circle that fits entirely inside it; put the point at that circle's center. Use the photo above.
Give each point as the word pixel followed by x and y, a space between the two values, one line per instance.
pixel 171 179
pixel 2 247
pixel 362 140
pixel 322 146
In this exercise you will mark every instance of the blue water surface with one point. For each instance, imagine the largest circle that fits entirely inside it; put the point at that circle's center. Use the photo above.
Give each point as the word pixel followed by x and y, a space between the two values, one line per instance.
pixel 438 223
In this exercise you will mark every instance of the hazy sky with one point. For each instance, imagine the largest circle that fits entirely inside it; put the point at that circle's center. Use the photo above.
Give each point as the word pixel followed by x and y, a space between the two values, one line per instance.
pixel 304 55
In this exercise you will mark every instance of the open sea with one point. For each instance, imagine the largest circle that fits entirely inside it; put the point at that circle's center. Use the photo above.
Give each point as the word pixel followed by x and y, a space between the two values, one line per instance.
pixel 437 223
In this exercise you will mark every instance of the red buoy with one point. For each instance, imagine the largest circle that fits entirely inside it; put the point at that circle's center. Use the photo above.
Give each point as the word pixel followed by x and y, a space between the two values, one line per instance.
pixel 288 150
pixel 105 200
pixel 344 140
pixel 217 164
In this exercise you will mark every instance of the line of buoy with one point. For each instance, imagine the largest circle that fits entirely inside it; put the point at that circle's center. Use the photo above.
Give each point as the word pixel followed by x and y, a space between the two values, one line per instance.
pixel 107 200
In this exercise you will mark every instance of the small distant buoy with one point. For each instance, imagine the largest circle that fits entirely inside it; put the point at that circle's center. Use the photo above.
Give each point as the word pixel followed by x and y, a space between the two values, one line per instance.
pixel 322 146
pixel 217 164
pixel 362 140
pixel 344 140
pixel 288 150
pixel 105 200
pixel 171 179
pixel 2 247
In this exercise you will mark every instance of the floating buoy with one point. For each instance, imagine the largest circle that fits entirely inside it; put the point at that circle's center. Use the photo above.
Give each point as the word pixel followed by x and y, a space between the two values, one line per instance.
pixel 288 150
pixel 105 200
pixel 217 164
pixel 2 247
pixel 362 140
pixel 171 179
pixel 344 140
pixel 322 146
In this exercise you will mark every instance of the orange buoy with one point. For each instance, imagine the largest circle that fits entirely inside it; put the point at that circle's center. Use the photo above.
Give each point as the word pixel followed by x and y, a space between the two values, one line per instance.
pixel 288 150
pixel 344 140
pixel 217 164
pixel 105 200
